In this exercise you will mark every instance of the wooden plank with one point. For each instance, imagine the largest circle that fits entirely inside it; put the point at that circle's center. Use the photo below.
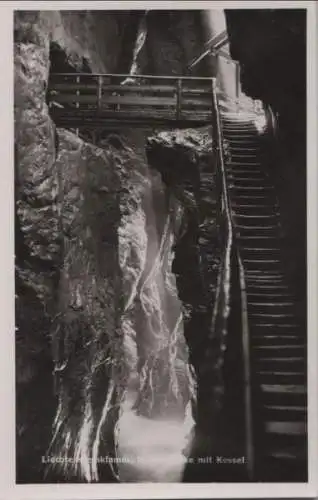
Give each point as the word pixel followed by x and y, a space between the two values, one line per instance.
pixel 73 98
pixel 123 76
pixel 91 111
pixel 100 91
pixel 196 91
pixel 138 101
pixel 102 120
pixel 72 87
pixel 197 103
pixel 140 88
pixel 121 89
pixel 179 91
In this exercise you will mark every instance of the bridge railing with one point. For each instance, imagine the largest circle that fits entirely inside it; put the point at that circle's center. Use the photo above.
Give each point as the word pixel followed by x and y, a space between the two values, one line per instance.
pixel 139 96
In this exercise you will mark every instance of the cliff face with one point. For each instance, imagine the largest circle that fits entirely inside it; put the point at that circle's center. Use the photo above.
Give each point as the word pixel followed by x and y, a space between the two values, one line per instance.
pixel 270 45
pixel 96 226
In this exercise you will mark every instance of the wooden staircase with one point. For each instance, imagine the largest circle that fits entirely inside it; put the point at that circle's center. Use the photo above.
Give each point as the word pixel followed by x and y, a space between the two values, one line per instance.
pixel 277 332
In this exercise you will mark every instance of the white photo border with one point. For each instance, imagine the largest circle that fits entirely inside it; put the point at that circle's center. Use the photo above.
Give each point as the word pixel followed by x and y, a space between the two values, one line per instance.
pixel 8 489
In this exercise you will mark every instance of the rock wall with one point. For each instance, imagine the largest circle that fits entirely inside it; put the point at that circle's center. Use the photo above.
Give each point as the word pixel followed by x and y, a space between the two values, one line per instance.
pixel 95 232
pixel 270 45
pixel 69 280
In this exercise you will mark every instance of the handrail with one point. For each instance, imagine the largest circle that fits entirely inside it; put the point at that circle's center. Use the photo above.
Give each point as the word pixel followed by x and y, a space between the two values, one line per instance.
pixel 249 422
pixel 222 302
pixel 221 309
pixel 135 77
pixel 219 145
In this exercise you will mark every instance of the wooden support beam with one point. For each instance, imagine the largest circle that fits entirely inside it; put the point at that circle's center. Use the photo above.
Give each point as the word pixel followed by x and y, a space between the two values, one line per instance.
pixel 237 79
pixel 78 78
pixel 99 92
pixel 179 94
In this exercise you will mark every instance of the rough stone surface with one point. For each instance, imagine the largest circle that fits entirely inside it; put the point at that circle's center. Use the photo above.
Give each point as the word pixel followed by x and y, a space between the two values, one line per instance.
pixel 48 229
pixel 96 233
pixel 275 72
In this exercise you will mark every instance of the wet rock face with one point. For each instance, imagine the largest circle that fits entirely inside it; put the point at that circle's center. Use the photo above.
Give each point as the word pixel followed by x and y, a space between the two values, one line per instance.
pixel 65 268
pixel 187 166
pixel 174 40
pixel 37 247
pixel 274 70
pixel 86 333
pixel 96 227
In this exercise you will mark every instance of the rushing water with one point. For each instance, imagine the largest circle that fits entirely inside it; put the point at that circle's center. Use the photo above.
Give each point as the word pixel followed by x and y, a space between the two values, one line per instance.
pixel 155 425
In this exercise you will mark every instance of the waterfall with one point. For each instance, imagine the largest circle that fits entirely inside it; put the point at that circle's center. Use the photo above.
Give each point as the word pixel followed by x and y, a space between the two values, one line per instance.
pixel 156 418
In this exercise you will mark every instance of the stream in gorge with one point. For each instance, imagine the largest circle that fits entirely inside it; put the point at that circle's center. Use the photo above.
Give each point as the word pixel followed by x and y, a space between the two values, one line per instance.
pixel 153 433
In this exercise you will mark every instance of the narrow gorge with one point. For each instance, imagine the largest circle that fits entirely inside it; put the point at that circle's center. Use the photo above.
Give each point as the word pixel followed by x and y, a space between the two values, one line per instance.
pixel 120 372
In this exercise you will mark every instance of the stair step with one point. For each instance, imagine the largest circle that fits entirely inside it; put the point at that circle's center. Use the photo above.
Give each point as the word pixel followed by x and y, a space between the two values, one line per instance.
pixel 285 413
pixel 262 217
pixel 268 227
pixel 249 164
pixel 249 167
pixel 264 254
pixel 236 122
pixel 261 264
pixel 256 189
pixel 290 428
pixel 284 285
pixel 236 177
pixel 239 134
pixel 284 388
pixel 278 363
pixel 278 338
pixel 264 294
pixel 271 304
pixel 243 163
pixel 232 128
pixel 255 211
pixel 261 249
pixel 281 346
pixel 245 170
pixel 240 159
pixel 281 377
pixel 244 149
pixel 280 350
pixel 245 174
pixel 240 141
pixel 237 157
pixel 285 394
pixel 264 274
pixel 262 317
pixel 250 185
pixel 279 328
pixel 260 280
pixel 261 261
pixel 256 198
pixel 238 117
pixel 286 443
pixel 263 240
pixel 295 455
pixel 272 308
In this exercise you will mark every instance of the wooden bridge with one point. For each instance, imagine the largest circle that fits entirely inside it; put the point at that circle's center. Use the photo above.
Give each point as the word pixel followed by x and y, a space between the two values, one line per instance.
pixel 117 101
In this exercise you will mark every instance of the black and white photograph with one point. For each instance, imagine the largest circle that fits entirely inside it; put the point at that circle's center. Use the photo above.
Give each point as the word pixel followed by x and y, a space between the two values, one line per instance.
pixel 161 244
